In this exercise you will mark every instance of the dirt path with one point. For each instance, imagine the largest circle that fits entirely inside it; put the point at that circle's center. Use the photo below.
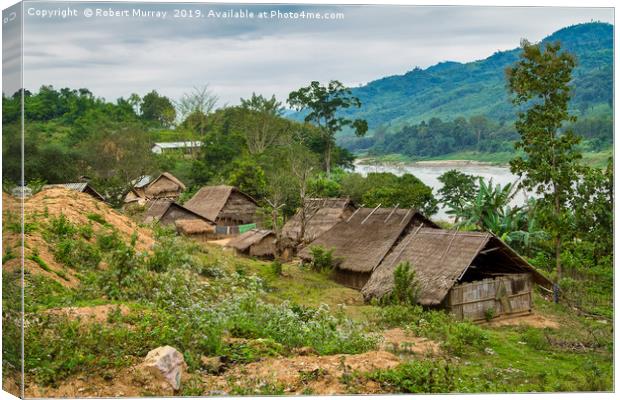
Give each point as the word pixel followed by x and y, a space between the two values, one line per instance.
pixel 534 320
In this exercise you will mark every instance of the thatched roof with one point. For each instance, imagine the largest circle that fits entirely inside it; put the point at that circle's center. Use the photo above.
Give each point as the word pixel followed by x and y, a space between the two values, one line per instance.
pixel 210 200
pixel 321 215
pixel 193 226
pixel 164 183
pixel 156 209
pixel 362 240
pixel 441 258
pixel 249 238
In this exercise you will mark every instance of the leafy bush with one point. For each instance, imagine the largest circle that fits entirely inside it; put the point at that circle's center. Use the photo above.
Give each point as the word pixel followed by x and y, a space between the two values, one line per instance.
pixel 276 268
pixel 464 336
pixel 8 255
pixel 77 254
pixel 535 338
pixel 109 241
pixel 41 262
pixel 406 287
pixel 96 218
pixel 322 259
pixel 426 376
pixel 398 315
pixel 169 252
pixel 60 228
pixel 489 314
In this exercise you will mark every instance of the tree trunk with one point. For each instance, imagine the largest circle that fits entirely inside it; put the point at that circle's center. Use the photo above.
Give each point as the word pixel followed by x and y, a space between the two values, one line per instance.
pixel 558 244
pixel 328 158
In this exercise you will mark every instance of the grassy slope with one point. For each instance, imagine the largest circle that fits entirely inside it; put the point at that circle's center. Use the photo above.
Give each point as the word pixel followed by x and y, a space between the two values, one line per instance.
pixel 536 369
pixel 516 363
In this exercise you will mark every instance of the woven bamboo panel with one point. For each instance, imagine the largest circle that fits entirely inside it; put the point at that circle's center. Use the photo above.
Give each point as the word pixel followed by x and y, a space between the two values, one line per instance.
pixel 502 296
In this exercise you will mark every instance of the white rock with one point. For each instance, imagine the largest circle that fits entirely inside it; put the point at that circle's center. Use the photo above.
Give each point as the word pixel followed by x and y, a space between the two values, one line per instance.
pixel 165 363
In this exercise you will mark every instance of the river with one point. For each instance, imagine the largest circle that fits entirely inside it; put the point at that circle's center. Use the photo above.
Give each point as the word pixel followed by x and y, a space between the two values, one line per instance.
pixel 429 172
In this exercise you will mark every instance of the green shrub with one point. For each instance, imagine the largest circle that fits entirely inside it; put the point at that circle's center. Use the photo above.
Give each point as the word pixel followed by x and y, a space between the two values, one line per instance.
pixel 244 352
pixel 406 287
pixel 86 231
pixel 8 255
pixel 463 337
pixel 77 254
pixel 169 252
pixel 390 316
pixel 322 259
pixel 424 376
pixel 61 228
pixel 36 258
pixel 109 241
pixel 276 268
pixel 489 314
pixel 96 218
pixel 535 338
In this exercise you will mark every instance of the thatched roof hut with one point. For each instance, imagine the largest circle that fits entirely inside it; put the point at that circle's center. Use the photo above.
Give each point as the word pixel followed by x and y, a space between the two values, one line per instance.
pixel 167 212
pixel 321 215
pixel 226 205
pixel 83 187
pixel 444 258
pixel 165 185
pixel 255 242
pixel 156 209
pixel 363 240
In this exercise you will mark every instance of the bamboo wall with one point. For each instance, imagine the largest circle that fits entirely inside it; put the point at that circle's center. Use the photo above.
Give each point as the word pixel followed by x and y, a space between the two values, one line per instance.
pixel 506 295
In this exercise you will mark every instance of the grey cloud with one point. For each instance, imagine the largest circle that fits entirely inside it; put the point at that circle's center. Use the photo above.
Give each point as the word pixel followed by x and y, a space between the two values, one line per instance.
pixel 114 58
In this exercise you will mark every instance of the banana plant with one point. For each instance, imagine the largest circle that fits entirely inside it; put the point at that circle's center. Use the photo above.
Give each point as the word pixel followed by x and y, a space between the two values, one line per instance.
pixel 491 211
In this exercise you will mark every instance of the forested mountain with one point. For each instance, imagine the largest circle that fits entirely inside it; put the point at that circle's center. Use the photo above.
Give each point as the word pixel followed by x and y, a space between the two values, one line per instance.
pixel 450 90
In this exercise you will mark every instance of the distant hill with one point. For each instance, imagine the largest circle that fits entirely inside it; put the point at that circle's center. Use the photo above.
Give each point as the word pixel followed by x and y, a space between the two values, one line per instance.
pixel 450 89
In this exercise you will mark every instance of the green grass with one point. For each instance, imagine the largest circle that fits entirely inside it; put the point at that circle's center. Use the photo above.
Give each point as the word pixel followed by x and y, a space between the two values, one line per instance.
pixel 597 159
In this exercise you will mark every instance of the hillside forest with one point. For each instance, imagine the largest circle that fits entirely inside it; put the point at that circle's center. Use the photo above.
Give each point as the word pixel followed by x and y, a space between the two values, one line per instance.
pixel 463 109
pixel 163 289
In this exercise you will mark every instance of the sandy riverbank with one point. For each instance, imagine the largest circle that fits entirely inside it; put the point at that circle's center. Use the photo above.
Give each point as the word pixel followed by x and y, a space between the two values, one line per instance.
pixel 427 163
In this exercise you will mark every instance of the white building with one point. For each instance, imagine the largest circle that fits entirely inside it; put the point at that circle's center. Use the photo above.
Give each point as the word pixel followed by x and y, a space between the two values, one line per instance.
pixel 184 147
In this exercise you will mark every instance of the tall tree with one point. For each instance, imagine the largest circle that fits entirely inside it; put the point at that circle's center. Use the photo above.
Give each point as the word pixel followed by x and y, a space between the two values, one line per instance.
pixel 322 104
pixel 200 101
pixel 157 109
pixel 540 81
pixel 458 189
pixel 265 128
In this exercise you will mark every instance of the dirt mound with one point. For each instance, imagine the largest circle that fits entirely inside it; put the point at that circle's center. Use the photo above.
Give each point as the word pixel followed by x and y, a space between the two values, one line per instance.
pixel 80 209
pixel 77 206
pixel 127 382
pixel 303 374
pixel 398 341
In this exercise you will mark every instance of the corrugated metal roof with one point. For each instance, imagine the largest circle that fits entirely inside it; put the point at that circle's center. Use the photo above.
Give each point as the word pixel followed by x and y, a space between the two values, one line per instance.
pixel 178 145
pixel 77 186
pixel 142 181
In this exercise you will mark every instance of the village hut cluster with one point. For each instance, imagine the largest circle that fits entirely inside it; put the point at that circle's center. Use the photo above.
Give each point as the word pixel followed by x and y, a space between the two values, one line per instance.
pixel 213 212
pixel 474 275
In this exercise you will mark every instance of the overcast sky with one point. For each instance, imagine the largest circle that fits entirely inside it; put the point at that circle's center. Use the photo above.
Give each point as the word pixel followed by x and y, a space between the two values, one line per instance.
pixel 117 56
